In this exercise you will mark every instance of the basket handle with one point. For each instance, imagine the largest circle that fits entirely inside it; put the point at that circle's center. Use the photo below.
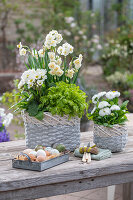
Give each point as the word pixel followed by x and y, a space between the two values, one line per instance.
pixel 24 154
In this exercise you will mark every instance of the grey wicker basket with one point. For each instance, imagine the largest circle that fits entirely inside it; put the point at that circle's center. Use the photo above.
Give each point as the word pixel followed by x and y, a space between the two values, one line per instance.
pixel 52 130
pixel 114 138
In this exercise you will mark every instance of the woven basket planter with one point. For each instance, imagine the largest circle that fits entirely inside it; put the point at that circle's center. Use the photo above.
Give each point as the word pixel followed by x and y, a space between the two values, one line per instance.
pixel 52 130
pixel 114 138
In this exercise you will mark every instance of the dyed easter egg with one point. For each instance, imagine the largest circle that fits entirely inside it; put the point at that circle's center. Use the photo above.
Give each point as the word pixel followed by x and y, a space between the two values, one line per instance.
pixel 41 158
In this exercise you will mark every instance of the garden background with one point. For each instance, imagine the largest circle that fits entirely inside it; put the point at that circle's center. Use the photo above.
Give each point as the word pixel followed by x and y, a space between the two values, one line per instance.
pixel 101 30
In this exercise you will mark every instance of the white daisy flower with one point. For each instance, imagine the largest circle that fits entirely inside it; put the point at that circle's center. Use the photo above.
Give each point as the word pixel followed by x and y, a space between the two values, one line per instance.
pixel 93 110
pixel 104 111
pixel 115 107
pixel 95 99
pixel 101 94
pixel 103 104
pixel 112 94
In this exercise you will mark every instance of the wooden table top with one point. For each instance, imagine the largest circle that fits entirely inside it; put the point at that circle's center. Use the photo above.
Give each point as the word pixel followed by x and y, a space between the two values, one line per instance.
pixel 68 177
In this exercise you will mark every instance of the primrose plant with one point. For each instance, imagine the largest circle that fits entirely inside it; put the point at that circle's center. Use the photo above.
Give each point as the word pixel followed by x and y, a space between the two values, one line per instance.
pixel 107 110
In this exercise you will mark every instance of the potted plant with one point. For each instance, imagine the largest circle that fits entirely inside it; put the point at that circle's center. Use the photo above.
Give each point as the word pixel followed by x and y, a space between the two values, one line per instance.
pixel 110 130
pixel 51 102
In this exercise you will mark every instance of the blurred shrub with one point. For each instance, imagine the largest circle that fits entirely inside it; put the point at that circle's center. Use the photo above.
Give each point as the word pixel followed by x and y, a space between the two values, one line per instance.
pixel 118 51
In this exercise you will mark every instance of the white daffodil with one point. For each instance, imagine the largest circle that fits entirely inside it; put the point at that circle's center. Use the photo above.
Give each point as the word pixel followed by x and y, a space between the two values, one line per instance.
pixel 39 82
pixel 80 57
pixel 60 50
pixel 21 83
pixel 59 38
pixel 70 73
pixel 58 61
pixel 51 56
pixel 115 107
pixel 77 63
pixel 104 111
pixel 52 72
pixel 19 46
pixel 103 104
pixel 22 52
pixel 67 48
pixel 41 53
pixel 57 67
pixel 51 65
pixel 59 72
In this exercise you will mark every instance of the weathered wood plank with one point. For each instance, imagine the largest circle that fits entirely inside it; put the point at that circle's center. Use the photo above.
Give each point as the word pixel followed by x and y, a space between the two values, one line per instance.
pixel 73 170
pixel 66 187
pixel 69 177
pixel 128 191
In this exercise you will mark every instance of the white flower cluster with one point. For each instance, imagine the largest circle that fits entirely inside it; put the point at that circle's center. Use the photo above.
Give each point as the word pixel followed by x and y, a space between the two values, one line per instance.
pixel 54 65
pixel 65 49
pixel 6 119
pixel 52 39
pixel 95 43
pixel 33 77
pixel 104 106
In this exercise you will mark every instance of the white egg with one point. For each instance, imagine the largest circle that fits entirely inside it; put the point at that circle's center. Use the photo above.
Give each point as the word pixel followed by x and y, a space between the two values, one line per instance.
pixel 54 151
pixel 27 151
pixel 33 153
pixel 49 149
pixel 41 152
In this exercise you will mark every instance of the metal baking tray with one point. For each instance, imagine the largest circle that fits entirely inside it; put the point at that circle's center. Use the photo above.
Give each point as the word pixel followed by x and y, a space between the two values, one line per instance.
pixel 39 166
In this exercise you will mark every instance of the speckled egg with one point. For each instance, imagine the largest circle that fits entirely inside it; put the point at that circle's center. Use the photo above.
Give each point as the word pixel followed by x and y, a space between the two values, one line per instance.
pixel 27 151
pixel 41 158
pixel 38 147
pixel 41 153
pixel 55 151
pixel 33 153
pixel 49 149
